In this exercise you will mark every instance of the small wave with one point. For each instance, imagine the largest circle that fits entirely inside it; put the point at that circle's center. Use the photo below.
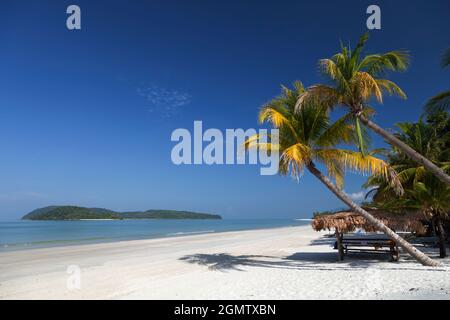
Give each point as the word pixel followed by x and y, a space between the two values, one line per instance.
pixel 187 233
pixel 45 242
pixel 305 219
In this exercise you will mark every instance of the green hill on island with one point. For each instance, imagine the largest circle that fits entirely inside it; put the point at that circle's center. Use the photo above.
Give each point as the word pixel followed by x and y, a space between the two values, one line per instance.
pixel 78 213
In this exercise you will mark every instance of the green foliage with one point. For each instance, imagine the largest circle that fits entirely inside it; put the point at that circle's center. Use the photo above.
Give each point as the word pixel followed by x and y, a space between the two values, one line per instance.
pixel 355 79
pixel 323 213
pixel 423 191
pixel 307 136
pixel 446 58
pixel 168 214
pixel 77 213
pixel 70 213
pixel 441 101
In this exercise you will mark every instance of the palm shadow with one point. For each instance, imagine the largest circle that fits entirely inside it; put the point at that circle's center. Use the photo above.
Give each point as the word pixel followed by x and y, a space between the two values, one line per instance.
pixel 299 261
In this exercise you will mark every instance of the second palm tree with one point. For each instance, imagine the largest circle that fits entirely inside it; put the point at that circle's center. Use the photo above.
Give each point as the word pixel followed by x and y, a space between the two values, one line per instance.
pixel 307 137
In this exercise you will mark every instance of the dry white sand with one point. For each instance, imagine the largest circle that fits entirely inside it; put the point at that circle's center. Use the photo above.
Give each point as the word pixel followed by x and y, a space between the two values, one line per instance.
pixel 283 263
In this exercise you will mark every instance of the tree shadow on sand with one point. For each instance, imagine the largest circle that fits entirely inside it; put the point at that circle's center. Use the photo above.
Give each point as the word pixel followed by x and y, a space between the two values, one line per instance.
pixel 327 240
pixel 299 261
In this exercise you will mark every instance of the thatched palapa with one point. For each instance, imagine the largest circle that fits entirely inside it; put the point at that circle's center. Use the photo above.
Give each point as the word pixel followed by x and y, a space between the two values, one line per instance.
pixel 348 221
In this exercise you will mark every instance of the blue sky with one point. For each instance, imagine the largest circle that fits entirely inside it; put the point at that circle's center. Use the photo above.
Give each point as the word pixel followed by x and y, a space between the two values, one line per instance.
pixel 86 116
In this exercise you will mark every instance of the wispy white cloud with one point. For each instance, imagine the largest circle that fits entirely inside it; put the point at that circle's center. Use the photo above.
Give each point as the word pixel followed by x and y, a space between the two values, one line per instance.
pixel 357 196
pixel 166 101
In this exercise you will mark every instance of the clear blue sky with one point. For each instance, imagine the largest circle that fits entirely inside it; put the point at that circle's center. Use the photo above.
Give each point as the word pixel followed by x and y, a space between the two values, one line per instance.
pixel 86 116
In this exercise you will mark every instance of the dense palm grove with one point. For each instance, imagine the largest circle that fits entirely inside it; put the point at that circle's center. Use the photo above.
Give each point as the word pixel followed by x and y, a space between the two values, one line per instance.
pixel 422 190
pixel 413 176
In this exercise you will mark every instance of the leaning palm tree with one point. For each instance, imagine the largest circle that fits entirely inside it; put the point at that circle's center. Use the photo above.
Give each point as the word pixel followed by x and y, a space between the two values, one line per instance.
pixel 423 191
pixel 441 101
pixel 355 80
pixel 306 137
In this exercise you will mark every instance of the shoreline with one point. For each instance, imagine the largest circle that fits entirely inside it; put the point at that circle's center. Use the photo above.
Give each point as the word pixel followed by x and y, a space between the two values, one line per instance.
pixel 56 243
pixel 276 263
pixel 145 240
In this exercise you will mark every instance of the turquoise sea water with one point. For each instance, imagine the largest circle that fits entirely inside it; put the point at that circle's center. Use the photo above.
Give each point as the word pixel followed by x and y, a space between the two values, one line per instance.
pixel 16 235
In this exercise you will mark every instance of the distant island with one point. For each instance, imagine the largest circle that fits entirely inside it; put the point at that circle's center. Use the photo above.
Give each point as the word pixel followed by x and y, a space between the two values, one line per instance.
pixel 82 213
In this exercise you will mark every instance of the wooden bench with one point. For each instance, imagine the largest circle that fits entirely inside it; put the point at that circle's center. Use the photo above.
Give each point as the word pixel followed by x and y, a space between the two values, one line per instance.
pixel 425 241
pixel 366 245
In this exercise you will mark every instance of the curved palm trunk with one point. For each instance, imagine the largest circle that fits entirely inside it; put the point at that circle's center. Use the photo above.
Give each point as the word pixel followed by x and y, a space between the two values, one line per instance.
pixel 419 256
pixel 410 152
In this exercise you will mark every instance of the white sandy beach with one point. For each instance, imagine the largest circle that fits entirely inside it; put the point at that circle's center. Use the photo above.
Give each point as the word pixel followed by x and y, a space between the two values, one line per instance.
pixel 283 263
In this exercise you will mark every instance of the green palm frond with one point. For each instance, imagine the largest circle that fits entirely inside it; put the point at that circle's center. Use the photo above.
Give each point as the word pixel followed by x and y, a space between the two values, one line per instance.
pixel 273 114
pixel 322 95
pixel 359 134
pixel 356 53
pixel 341 131
pixel 440 102
pixel 390 88
pixel 446 57
pixel 262 142
pixel 423 191
pixel 329 68
pixel 356 162
pixel 307 135
pixel 355 81
pixel 379 64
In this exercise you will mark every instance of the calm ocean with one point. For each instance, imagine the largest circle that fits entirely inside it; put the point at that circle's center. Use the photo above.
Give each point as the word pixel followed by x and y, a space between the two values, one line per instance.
pixel 16 235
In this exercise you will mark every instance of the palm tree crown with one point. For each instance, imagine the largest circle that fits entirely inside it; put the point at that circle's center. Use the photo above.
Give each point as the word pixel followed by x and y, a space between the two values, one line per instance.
pixel 308 136
pixel 355 80
pixel 423 191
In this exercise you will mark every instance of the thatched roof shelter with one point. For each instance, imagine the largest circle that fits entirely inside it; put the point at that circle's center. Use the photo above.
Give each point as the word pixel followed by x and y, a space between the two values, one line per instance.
pixel 348 221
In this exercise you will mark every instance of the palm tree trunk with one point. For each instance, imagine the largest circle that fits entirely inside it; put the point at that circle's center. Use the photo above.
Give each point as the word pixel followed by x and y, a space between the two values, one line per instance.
pixel 441 234
pixel 410 152
pixel 419 256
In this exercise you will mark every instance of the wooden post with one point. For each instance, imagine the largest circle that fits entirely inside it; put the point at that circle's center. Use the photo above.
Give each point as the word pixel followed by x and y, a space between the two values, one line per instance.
pixel 395 254
pixel 339 245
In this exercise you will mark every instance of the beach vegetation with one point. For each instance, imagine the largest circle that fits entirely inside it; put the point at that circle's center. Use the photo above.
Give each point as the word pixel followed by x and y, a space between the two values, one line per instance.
pixel 308 140
pixel 356 80
pixel 81 213
pixel 423 191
